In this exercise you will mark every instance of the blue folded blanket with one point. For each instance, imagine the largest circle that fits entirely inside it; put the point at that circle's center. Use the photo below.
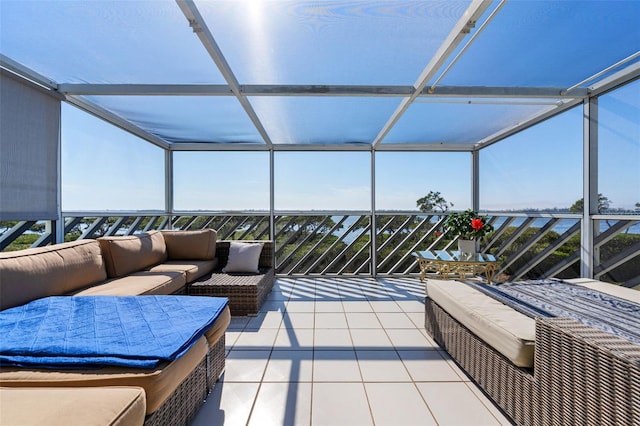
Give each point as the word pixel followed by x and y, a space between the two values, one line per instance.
pixel 96 331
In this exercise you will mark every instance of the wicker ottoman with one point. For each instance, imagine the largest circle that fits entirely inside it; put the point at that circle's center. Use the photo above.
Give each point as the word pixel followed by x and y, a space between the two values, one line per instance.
pixel 246 292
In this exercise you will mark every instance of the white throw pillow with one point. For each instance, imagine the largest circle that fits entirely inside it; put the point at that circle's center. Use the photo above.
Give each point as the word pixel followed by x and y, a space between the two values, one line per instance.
pixel 243 257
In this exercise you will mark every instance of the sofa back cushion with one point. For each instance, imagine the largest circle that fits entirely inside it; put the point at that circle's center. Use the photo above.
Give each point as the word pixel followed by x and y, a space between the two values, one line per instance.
pixel 191 245
pixel 30 274
pixel 124 255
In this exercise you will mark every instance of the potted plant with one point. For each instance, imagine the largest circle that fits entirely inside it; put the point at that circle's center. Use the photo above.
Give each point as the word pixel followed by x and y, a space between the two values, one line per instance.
pixel 468 226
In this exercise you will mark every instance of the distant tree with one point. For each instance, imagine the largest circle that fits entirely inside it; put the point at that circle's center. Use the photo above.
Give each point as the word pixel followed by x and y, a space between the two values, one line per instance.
pixel 603 205
pixel 433 201
pixel 638 207
pixel 6 225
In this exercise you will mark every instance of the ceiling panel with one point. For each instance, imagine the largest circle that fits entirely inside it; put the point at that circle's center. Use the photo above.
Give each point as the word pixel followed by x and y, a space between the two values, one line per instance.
pixel 549 44
pixel 451 121
pixel 214 119
pixel 330 42
pixel 323 120
pixel 105 42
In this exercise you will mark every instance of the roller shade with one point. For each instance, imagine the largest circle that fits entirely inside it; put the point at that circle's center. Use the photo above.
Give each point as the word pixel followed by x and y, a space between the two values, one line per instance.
pixel 29 145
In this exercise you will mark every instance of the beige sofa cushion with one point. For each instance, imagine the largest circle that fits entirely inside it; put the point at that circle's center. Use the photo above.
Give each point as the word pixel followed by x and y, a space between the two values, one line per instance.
pixel 219 327
pixel 503 328
pixel 114 406
pixel 191 245
pixel 608 288
pixel 137 284
pixel 124 255
pixel 158 383
pixel 193 269
pixel 31 274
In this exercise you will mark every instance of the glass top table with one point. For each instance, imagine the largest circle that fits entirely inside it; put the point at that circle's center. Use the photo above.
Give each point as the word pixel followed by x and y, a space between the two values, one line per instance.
pixel 446 262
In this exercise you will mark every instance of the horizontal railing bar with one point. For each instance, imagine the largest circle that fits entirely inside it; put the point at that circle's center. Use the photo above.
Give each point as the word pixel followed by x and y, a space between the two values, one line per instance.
pixel 631 217
pixel 330 213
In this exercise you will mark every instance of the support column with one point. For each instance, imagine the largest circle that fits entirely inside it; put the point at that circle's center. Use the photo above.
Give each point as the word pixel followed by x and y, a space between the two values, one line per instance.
pixel 372 245
pixel 272 220
pixel 168 186
pixel 588 256
pixel 475 180
pixel 57 225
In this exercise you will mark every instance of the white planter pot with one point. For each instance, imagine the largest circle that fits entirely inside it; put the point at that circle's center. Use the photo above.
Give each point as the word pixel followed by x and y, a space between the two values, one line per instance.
pixel 467 246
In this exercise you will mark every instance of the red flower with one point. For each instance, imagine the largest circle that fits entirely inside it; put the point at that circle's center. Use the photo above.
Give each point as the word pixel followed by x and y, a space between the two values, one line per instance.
pixel 476 224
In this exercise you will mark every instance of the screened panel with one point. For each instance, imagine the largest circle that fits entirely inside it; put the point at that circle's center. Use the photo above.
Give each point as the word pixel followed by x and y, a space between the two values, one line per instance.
pixel 323 119
pixel 539 168
pixel 619 148
pixel 440 120
pixel 330 42
pixel 221 181
pixel 105 168
pixel 185 118
pixel 322 181
pixel 29 131
pixel 105 42
pixel 404 177
pixel 549 43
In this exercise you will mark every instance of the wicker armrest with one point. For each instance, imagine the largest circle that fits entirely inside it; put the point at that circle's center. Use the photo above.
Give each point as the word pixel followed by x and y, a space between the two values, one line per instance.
pixel 584 375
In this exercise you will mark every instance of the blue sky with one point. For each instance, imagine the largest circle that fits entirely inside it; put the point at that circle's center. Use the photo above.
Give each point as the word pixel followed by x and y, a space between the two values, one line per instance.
pixel 107 168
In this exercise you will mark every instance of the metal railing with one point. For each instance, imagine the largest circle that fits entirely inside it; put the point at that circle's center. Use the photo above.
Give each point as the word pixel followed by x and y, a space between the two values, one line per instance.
pixel 529 245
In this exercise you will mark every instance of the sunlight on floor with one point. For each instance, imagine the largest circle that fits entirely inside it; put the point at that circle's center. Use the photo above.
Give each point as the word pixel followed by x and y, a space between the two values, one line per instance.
pixel 326 351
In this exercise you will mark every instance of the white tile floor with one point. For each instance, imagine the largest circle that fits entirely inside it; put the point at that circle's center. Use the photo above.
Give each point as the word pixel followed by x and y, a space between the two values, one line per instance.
pixel 328 351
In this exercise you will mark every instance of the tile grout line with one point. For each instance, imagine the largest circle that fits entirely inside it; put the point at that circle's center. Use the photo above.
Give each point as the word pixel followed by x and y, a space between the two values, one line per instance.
pixel 332 293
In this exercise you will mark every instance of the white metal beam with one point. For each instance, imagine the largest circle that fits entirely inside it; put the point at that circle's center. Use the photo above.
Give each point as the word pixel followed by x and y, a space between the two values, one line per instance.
pixel 622 77
pixel 145 89
pixel 457 34
pixel 316 90
pixel 204 146
pixel 26 72
pixel 30 83
pixel 467 45
pixel 397 147
pixel 199 26
pixel 626 60
pixel 325 90
pixel 427 146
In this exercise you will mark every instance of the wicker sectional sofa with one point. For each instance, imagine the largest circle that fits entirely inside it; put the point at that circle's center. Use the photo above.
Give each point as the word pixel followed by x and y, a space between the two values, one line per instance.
pixel 155 263
pixel 575 374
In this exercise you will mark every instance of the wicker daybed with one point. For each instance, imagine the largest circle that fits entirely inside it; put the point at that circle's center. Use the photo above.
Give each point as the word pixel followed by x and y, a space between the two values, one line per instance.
pixel 246 291
pixel 183 404
pixel 581 376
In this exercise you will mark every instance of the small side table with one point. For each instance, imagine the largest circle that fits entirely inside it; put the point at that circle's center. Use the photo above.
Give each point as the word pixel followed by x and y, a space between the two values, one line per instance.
pixel 453 262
